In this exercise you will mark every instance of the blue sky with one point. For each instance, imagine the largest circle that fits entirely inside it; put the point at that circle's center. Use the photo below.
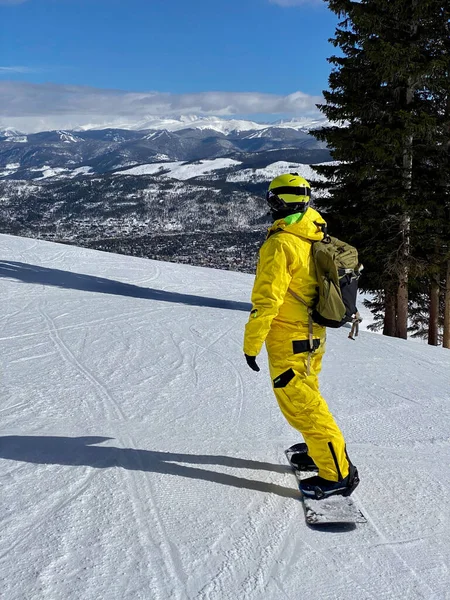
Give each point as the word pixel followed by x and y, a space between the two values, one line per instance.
pixel 270 49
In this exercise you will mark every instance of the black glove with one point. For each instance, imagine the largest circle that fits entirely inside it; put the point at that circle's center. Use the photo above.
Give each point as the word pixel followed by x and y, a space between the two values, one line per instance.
pixel 251 361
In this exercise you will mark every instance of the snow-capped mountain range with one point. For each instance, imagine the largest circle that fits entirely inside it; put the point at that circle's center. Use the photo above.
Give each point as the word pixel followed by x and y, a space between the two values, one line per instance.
pixel 183 139
pixel 190 122
pixel 186 139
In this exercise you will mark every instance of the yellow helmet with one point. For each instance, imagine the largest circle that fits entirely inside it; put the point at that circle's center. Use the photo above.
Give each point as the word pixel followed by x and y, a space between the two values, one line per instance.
pixel 289 193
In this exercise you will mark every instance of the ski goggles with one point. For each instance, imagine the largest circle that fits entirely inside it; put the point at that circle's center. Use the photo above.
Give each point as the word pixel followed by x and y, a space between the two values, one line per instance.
pixel 277 203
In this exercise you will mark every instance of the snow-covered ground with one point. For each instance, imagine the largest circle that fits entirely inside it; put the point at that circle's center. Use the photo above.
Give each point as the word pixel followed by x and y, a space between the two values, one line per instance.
pixel 59 172
pixel 182 170
pixel 187 170
pixel 140 458
pixel 275 169
pixel 47 171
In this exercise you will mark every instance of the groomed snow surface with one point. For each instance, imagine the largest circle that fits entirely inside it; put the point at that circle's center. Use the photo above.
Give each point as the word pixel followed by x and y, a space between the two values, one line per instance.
pixel 140 458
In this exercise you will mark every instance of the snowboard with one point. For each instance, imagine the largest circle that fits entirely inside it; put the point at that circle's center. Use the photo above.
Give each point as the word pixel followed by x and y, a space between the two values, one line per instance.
pixel 327 511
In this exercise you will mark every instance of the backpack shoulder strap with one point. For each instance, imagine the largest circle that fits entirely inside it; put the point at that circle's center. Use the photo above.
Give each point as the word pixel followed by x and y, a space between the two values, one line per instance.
pixel 310 329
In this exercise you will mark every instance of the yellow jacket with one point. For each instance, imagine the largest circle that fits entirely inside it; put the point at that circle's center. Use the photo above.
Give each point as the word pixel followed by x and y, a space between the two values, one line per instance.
pixel 285 261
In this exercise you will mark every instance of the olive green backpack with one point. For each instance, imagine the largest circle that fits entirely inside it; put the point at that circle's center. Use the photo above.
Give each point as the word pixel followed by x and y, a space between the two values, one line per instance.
pixel 338 271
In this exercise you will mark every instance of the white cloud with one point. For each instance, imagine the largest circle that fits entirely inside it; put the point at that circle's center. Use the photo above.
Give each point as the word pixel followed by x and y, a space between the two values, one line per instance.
pixel 295 2
pixel 9 70
pixel 32 107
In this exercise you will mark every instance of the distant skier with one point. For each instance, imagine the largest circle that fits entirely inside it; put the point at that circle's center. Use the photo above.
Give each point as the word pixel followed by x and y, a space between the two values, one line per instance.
pixel 286 278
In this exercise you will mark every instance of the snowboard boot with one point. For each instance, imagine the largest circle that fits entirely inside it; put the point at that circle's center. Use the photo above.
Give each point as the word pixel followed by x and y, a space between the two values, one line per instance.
pixel 318 487
pixel 299 459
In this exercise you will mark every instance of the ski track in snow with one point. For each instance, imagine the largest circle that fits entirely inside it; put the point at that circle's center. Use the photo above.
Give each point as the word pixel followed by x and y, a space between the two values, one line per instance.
pixel 66 354
pixel 41 518
pixel 169 564
pixel 166 500
pixel 141 501
pixel 427 591
pixel 239 385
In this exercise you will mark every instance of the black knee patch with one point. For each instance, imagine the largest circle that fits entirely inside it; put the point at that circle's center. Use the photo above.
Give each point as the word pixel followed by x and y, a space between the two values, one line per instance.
pixel 282 380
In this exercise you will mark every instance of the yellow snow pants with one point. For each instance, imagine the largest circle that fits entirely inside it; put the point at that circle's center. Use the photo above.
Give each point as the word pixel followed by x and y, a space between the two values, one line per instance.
pixel 300 400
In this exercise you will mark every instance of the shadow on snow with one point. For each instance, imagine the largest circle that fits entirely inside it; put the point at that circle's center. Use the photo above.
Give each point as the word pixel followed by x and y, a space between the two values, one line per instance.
pixel 90 283
pixel 80 451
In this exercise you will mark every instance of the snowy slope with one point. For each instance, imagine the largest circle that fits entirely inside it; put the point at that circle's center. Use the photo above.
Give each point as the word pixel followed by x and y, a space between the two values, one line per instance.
pixel 275 169
pixel 182 170
pixel 141 458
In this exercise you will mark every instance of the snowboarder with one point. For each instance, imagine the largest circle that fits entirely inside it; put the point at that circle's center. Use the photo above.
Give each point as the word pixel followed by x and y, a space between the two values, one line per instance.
pixel 285 280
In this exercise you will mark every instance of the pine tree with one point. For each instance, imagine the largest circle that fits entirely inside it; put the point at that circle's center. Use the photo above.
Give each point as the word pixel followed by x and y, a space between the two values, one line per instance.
pixel 376 97
pixel 432 172
pixel 446 324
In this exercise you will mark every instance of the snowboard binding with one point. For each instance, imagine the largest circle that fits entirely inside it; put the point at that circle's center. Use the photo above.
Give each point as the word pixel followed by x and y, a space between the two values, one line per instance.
pixel 299 458
pixel 318 488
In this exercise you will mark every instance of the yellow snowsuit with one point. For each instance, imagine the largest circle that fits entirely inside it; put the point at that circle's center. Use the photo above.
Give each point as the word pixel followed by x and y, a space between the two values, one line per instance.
pixel 281 321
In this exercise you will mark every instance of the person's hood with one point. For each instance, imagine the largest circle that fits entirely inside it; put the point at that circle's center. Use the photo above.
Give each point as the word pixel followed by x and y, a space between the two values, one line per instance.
pixel 308 226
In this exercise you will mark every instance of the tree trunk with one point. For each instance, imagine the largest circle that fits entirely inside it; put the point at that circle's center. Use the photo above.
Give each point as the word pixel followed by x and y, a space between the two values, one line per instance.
pixel 446 335
pixel 433 323
pixel 446 338
pixel 405 226
pixel 401 328
pixel 390 311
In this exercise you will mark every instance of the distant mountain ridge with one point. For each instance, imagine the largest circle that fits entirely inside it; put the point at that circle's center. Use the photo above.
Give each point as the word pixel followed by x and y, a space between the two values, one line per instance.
pixel 219 124
pixel 106 150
